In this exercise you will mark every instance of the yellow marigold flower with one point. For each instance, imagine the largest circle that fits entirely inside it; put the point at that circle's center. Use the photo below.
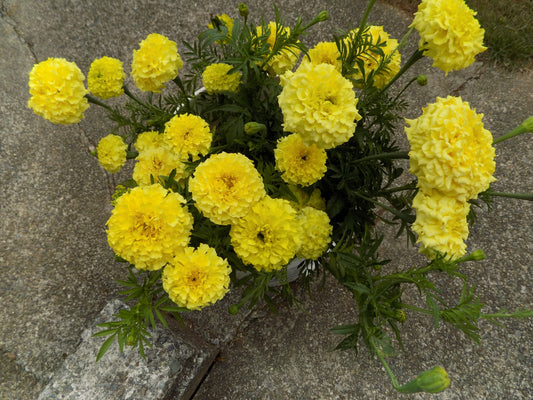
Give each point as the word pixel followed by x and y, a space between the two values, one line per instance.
pixel 156 161
pixel 217 80
pixel 319 103
pixel 225 186
pixel 227 21
pixel 316 233
pixel 196 278
pixel 449 32
pixel 441 224
pixel 299 164
pixel 149 226
pixel 451 151
pixel 305 199
pixel 111 152
pixel 325 53
pixel 148 140
pixel 57 91
pixel 155 62
pixel 106 78
pixel 286 59
pixel 268 236
pixel 372 60
pixel 188 135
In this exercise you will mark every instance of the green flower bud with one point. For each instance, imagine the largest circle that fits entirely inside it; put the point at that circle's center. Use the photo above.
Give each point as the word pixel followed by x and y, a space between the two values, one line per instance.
pixel 322 16
pixel 528 124
pixel 252 128
pixel 234 309
pixel 434 380
pixel 130 341
pixel 422 80
pixel 476 255
pixel 400 315
pixel 243 10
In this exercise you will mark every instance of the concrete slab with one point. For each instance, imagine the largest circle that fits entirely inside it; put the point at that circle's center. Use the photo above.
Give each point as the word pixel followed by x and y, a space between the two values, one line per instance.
pixel 174 365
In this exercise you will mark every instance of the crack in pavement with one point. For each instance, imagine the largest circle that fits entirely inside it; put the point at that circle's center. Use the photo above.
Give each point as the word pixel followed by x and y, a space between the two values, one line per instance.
pixel 4 13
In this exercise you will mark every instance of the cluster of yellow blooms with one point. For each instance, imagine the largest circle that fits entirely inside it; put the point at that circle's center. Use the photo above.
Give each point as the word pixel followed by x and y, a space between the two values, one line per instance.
pixel 150 226
pixel 453 158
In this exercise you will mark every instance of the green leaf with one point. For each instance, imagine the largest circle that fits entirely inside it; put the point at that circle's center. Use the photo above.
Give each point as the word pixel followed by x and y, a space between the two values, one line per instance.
pixel 105 346
pixel 106 332
pixel 161 318
pixel 434 309
pixel 345 329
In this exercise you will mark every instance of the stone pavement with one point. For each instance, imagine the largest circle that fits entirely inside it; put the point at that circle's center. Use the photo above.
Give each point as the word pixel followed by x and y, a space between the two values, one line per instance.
pixel 56 270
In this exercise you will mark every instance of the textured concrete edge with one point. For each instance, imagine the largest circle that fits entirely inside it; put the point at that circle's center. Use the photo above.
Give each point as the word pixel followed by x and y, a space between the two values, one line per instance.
pixel 173 368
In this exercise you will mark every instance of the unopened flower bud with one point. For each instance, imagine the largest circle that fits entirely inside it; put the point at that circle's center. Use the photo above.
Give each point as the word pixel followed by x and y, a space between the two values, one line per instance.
pixel 322 16
pixel 243 10
pixel 528 124
pixel 400 315
pixel 130 341
pixel 422 80
pixel 434 380
pixel 252 128
pixel 476 255
pixel 234 309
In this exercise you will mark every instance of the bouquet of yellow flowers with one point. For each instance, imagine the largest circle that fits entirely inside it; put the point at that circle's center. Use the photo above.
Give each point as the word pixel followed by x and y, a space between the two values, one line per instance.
pixel 255 154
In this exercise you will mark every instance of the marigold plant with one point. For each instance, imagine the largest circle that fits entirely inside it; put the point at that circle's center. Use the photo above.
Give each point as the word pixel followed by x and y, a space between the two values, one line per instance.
pixel 263 158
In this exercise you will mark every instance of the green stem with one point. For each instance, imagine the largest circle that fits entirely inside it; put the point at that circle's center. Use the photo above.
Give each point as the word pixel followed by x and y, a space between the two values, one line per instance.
pixel 521 196
pixel 409 186
pixel 526 126
pixel 94 100
pixel 385 156
pixel 417 55
pixel 405 88
pixel 177 81
pixel 365 16
pixel 384 206
pixel 385 365
pixel 134 98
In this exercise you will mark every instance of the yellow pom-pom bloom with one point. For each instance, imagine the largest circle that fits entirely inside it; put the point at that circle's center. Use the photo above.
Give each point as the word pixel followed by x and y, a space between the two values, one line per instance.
pixel 319 103
pixel 188 135
pixel 57 91
pixel 316 233
pixel 449 32
pixel 299 164
pixel 111 152
pixel 228 22
pixel 451 151
pixel 156 161
pixel 225 186
pixel 325 53
pixel 217 80
pixel 441 224
pixel 155 62
pixel 106 78
pixel 149 139
pixel 284 60
pixel 391 58
pixel 196 278
pixel 268 236
pixel 149 226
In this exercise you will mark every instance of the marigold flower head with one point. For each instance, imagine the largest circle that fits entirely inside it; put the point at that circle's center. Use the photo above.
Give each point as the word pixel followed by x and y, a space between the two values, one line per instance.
pixel 156 161
pixel 391 58
pixel 441 224
pixel 325 53
pixel 217 80
pixel 149 226
pixel 319 103
pixel 106 78
pixel 196 278
pixel 111 152
pixel 155 62
pixel 188 135
pixel 316 233
pixel 149 139
pixel 451 151
pixel 299 164
pixel 285 59
pixel 225 186
pixel 268 236
pixel 57 91
pixel 449 32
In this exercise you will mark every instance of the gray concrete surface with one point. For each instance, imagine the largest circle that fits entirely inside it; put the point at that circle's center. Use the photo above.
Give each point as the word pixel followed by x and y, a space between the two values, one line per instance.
pixel 57 270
